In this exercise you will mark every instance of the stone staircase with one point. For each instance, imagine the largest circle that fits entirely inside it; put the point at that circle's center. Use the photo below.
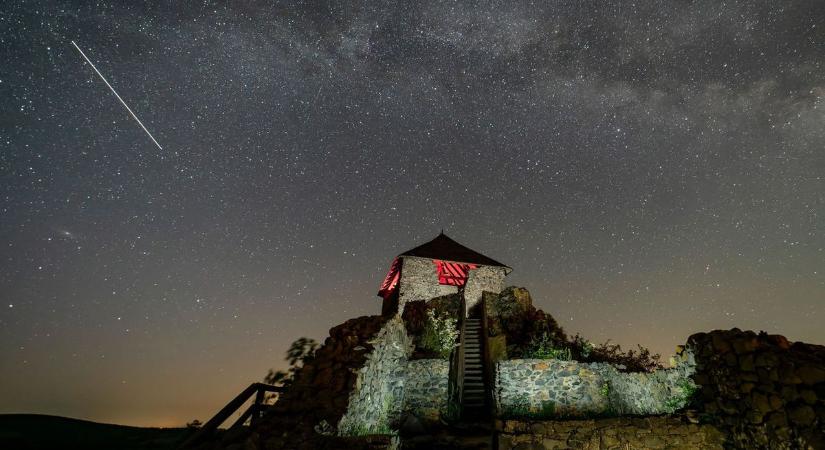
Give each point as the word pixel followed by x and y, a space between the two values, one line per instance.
pixel 475 398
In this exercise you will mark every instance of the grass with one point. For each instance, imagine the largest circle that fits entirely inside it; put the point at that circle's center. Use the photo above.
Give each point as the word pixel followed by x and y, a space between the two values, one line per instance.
pixel 35 432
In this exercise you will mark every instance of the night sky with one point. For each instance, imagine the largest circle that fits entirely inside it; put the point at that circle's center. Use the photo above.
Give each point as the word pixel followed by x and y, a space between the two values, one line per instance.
pixel 649 170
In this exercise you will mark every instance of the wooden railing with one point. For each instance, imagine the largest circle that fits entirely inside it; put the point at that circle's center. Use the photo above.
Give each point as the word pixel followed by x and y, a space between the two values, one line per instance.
pixel 455 395
pixel 486 358
pixel 253 413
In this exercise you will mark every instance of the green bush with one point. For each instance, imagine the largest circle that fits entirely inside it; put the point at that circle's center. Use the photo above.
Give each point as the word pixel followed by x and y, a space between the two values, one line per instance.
pixel 439 334
pixel 687 388
pixel 544 348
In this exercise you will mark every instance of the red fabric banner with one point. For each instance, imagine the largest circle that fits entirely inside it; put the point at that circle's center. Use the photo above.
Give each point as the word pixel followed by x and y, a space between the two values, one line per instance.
pixel 453 273
pixel 391 280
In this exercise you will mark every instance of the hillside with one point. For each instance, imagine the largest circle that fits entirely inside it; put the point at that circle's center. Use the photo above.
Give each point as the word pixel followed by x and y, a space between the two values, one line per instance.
pixel 35 431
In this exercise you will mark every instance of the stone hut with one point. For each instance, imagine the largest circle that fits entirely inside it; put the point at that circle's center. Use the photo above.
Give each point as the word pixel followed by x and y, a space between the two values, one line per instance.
pixel 440 267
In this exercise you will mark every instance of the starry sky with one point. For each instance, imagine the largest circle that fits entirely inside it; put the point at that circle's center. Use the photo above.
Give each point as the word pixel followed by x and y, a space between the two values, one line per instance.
pixel 649 169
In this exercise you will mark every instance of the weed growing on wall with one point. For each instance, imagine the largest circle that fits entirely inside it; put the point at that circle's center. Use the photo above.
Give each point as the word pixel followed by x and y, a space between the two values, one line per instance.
pixel 687 388
pixel 605 389
pixel 544 348
pixel 440 333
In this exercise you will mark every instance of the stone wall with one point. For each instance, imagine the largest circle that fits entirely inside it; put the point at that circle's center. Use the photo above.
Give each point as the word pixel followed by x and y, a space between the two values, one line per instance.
pixel 663 432
pixel 554 388
pixel 484 278
pixel 764 391
pixel 319 393
pixel 376 400
pixel 425 388
pixel 419 281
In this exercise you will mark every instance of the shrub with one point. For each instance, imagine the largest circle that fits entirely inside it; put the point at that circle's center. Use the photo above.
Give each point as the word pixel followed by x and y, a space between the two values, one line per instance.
pixel 545 348
pixel 640 360
pixel 583 346
pixel 687 388
pixel 439 334
pixel 300 352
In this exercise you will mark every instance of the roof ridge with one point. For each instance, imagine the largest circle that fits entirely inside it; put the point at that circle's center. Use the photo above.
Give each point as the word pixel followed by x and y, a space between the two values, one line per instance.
pixel 447 248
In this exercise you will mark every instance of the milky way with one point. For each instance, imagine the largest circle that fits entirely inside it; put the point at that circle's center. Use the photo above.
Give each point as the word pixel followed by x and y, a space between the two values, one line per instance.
pixel 649 170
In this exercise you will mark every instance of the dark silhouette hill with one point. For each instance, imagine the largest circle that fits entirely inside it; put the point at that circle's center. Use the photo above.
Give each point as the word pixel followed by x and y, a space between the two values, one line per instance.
pixel 35 432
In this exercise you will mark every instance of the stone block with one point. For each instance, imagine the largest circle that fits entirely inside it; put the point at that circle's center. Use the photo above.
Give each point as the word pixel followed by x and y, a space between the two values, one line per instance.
pixel 766 360
pixel 789 393
pixel 811 375
pixel 745 344
pixel 802 415
pixel 653 442
pixel 777 419
pixel 746 363
pixel 552 444
pixel 720 344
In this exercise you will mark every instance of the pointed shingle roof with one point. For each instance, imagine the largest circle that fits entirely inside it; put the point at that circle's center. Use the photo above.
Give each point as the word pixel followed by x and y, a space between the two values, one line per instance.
pixel 444 248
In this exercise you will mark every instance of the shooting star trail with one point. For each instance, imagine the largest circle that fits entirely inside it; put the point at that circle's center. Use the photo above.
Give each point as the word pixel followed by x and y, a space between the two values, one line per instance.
pixel 116 95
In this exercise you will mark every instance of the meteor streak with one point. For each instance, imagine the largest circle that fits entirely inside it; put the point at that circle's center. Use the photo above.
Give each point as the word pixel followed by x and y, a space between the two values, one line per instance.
pixel 116 95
